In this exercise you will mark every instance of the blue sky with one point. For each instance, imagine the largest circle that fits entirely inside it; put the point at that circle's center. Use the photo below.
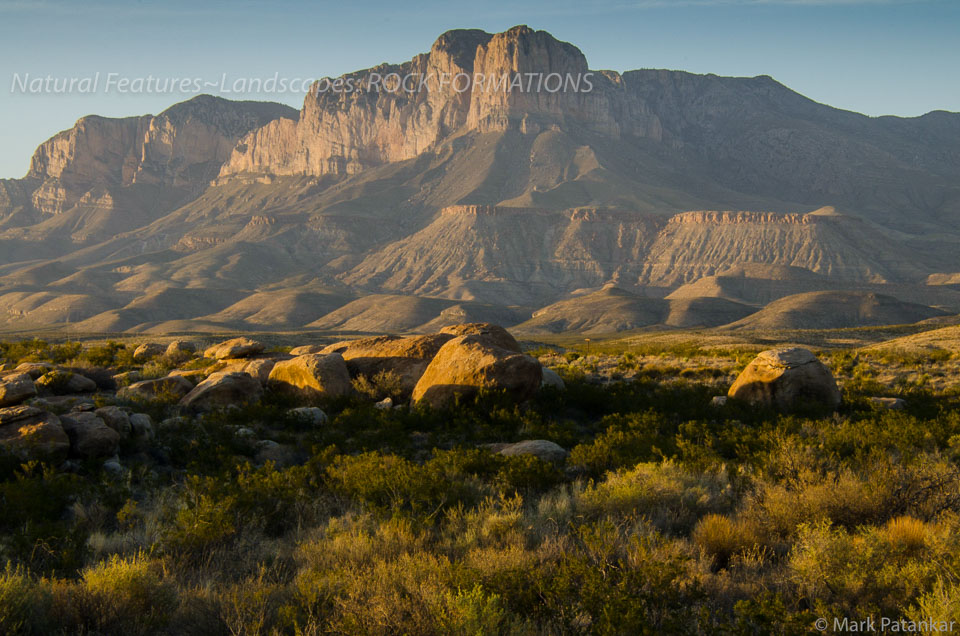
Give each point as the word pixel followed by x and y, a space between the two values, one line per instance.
pixel 873 56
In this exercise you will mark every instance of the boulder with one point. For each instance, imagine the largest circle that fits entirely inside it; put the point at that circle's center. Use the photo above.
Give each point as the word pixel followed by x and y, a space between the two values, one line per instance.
pixel 116 418
pixel 223 389
pixel 310 415
pixel 171 386
pixel 89 435
pixel 541 448
pixel 30 433
pixel 195 376
pixel 718 400
pixel 141 426
pixel 497 334
pixel 235 348
pixel 407 358
pixel 552 378
pixel 103 378
pixel 127 377
pixel 282 455
pixel 64 402
pixel 148 350
pixel 786 379
pixel 34 369
pixel 180 349
pixel 62 382
pixel 311 376
pixel 467 364
pixel 16 388
pixel 305 349
pixel 258 368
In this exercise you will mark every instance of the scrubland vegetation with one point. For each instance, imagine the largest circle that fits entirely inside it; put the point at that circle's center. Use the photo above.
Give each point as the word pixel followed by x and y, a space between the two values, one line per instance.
pixel 669 515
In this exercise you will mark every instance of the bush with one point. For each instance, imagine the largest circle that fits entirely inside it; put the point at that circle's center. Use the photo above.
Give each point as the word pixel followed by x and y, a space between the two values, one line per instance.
pixel 24 605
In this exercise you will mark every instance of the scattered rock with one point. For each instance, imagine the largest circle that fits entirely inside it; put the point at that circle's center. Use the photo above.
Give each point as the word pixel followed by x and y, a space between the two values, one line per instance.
pixel 312 376
pixel 407 358
pixel 891 403
pixel 16 388
pixel 148 350
pixel 310 414
pixel 244 431
pixel 552 378
pixel 786 379
pixel 223 389
pixel 384 404
pixel 281 455
pixel 127 377
pixel 116 418
pixel 89 436
pixel 235 348
pixel 545 450
pixel 495 333
pixel 469 363
pixel 29 432
pixel 113 467
pixel 172 386
pixel 718 400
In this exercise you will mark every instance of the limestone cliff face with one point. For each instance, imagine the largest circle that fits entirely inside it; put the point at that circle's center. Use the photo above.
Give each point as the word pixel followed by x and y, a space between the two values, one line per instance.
pixel 183 147
pixel 469 81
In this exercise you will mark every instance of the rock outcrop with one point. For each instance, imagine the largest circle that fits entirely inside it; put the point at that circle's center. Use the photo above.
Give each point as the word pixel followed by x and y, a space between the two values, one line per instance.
pixel 406 358
pixel 787 379
pixel 221 390
pixel 89 435
pixel 29 432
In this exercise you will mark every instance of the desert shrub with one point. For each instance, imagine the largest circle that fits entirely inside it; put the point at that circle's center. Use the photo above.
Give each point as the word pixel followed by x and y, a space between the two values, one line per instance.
pixel 722 537
pixel 24 604
pixel 124 595
pixel 111 354
pixel 628 440
pixel 671 497
pixel 385 384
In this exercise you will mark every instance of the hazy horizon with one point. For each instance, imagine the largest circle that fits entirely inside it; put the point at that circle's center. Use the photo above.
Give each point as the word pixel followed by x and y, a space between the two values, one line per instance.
pixel 860 55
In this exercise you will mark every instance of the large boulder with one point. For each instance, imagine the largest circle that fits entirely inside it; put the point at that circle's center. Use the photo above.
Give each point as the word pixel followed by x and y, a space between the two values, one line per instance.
pixel 89 435
pixel 31 433
pixel 312 376
pixel 786 379
pixel 467 364
pixel 171 387
pixel 223 389
pixel 495 333
pixel 35 369
pixel 407 358
pixel 180 349
pixel 235 348
pixel 16 388
pixel 258 368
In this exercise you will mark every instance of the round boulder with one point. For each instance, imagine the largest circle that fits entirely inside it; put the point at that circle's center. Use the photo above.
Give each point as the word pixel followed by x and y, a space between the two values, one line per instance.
pixel 30 433
pixel 495 333
pixel 467 364
pixel 16 388
pixel 223 389
pixel 235 348
pixel 786 379
pixel 311 376
pixel 89 436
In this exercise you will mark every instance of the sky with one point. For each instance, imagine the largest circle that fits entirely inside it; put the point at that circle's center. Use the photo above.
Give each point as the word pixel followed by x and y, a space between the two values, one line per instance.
pixel 877 57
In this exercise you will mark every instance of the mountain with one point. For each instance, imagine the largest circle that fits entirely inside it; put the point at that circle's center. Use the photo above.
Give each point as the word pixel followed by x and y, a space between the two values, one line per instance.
pixel 496 196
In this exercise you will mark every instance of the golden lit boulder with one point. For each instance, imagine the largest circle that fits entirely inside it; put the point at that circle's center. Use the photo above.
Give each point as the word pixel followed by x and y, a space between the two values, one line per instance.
pixel 311 376
pixel 467 364
pixel 16 388
pixel 235 348
pixel 786 379
pixel 170 387
pixel 495 333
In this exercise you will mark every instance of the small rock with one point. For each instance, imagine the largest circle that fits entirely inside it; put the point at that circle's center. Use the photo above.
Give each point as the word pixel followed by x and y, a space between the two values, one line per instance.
pixel 545 450
pixel 113 467
pixel 244 431
pixel 384 404
pixel 310 414
pixel 719 400
pixel 890 403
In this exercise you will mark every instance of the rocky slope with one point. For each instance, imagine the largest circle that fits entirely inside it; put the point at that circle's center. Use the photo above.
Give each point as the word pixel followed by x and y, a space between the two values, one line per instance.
pixel 496 201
